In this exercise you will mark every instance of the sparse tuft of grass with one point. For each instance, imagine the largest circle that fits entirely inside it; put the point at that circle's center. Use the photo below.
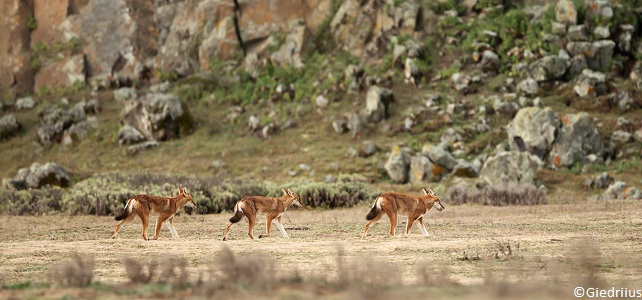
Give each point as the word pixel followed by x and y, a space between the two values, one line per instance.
pixel 77 272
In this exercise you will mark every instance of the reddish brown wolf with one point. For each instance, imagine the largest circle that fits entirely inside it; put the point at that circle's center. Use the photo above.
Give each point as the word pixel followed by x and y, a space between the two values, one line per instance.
pixel 252 206
pixel 414 207
pixel 146 205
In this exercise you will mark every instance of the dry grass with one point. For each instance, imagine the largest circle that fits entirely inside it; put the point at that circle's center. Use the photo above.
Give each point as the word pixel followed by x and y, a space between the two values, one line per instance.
pixel 473 252
pixel 499 195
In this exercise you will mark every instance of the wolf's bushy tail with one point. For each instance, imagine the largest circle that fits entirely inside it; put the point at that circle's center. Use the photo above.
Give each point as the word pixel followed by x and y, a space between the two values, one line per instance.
pixel 374 211
pixel 238 213
pixel 125 213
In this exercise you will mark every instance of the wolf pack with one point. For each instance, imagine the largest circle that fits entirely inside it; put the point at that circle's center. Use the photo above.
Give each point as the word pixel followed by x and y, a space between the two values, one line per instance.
pixel 391 204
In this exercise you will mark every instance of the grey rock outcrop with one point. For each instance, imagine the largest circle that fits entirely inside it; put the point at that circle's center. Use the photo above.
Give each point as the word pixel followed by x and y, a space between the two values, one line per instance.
pixel 577 138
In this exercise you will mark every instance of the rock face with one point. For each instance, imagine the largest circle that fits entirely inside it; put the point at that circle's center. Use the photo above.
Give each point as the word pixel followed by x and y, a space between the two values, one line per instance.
pixel 158 116
pixel 423 170
pixel 39 175
pixel 576 139
pixel 533 129
pixel 440 156
pixel 510 167
pixel 397 165
pixel 377 102
pixel 16 74
pixel 8 126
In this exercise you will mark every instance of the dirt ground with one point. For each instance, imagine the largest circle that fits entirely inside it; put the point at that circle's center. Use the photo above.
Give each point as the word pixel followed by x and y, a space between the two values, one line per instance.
pixel 468 245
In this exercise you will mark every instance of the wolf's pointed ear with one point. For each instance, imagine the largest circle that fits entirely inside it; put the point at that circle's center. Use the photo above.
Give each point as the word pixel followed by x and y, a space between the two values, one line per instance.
pixel 431 192
pixel 289 192
pixel 180 190
pixel 425 192
pixel 284 192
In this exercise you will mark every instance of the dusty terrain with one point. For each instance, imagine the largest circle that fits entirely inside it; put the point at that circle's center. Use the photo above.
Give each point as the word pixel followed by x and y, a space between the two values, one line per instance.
pixel 550 244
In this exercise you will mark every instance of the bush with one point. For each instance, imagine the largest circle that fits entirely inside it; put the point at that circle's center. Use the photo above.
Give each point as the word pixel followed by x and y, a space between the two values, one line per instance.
pixel 106 194
pixel 499 195
pixel 30 202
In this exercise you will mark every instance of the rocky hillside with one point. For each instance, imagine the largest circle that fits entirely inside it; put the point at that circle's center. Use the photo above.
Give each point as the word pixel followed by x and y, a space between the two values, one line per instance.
pixel 460 95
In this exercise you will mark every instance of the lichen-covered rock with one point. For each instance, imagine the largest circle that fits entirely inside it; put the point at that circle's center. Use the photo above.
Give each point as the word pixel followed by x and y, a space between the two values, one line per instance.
pixel 158 116
pixel 577 138
pixel 355 123
pixel 397 165
pixel 125 94
pixel 590 84
pixel 78 131
pixel 549 67
pixel 423 170
pixel 566 12
pixel 577 33
pixel 135 149
pixel 377 101
pixel 601 55
pixel 621 137
pixel 510 167
pixel 440 156
pixel 47 174
pixel 533 129
pixel 25 103
pixel 128 135
pixel 9 126
pixel 528 87
pixel 296 46
pixel 578 64
pixel 55 121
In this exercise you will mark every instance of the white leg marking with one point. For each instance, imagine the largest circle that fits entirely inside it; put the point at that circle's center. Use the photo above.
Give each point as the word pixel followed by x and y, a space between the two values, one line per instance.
pixel 281 229
pixel 423 230
pixel 172 229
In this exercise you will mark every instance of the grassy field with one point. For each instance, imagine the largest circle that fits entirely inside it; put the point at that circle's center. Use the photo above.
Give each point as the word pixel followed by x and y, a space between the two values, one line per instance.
pixel 473 251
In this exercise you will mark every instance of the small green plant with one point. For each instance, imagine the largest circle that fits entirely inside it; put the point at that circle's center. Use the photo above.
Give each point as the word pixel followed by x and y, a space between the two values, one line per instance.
pixel 43 91
pixel 32 24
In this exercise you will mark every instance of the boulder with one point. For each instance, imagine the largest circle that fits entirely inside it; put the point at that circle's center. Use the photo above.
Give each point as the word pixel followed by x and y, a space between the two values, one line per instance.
pixel 590 84
pixel 621 137
pixel 135 149
pixel 55 121
pixel 128 135
pixel 466 169
pixel 377 101
pixel 601 55
pixel 25 103
pixel 601 181
pixel 355 123
pixel 625 38
pixel 9 126
pixel 397 165
pixel 599 9
pixel 78 131
pixel 577 33
pixel 125 94
pixel 354 75
pixel 461 82
pixel 158 116
pixel 533 129
pixel 619 190
pixel 579 48
pixel 578 64
pixel 339 125
pixel 368 148
pixel 510 167
pixel 423 170
pixel 440 156
pixel 490 61
pixel 47 174
pixel 321 101
pixel 528 87
pixel 549 67
pixel 576 139
pixel 566 12
pixel 637 135
pixel 601 32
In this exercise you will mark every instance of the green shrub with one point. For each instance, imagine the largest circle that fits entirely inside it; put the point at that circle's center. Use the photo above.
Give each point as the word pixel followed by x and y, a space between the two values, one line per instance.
pixel 106 194
pixel 499 195
pixel 30 202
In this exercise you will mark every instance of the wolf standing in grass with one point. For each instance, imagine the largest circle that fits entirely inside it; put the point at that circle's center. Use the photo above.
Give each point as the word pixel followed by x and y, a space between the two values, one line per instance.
pixel 252 206
pixel 414 207
pixel 146 205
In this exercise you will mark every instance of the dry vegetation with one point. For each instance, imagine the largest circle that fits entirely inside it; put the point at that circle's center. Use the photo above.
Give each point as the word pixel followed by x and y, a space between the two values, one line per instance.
pixel 474 251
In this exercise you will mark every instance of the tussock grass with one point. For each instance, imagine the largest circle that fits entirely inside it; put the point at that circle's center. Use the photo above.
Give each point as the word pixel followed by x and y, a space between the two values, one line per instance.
pixel 77 272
